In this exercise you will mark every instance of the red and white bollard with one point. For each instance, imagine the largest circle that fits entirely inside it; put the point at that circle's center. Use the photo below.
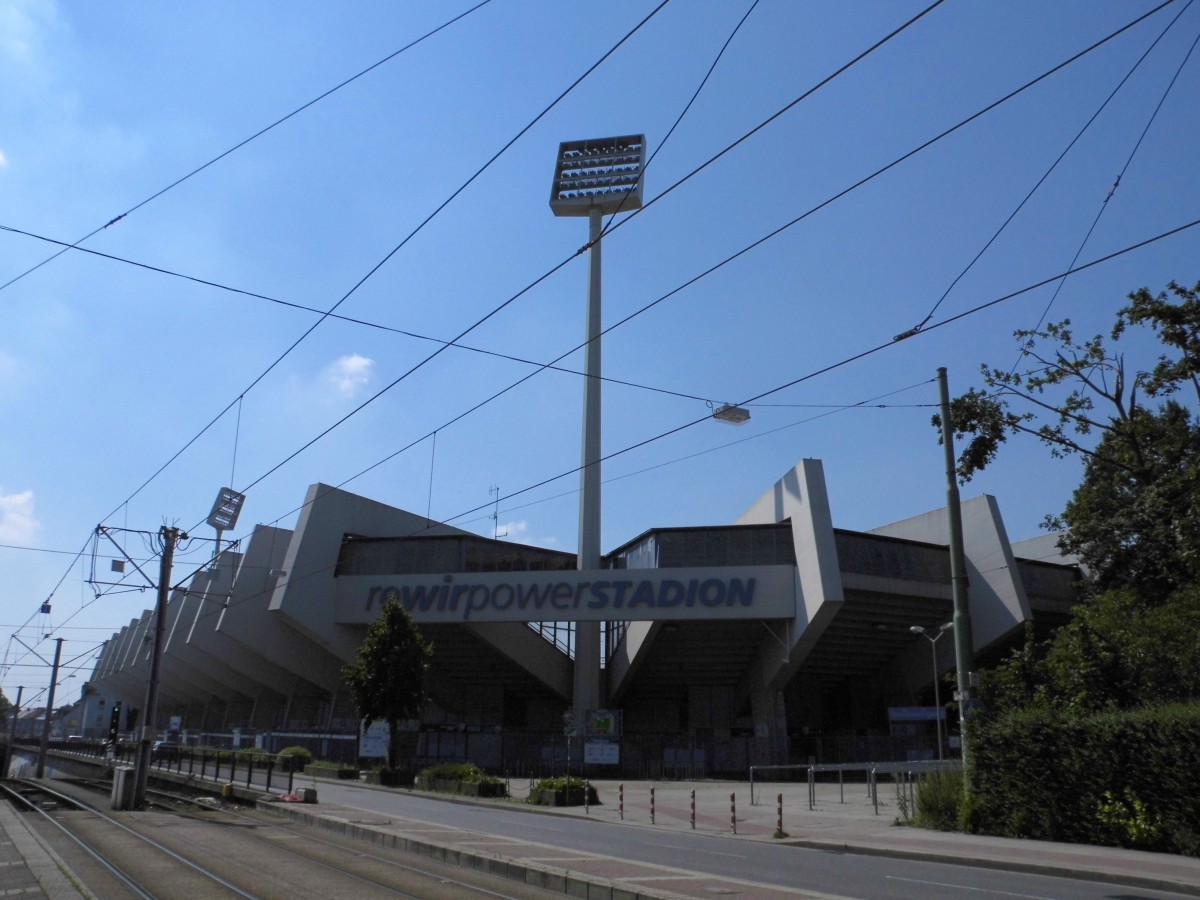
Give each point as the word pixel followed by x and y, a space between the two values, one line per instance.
pixel 779 814
pixel 621 801
pixel 693 810
pixel 733 812
pixel 651 805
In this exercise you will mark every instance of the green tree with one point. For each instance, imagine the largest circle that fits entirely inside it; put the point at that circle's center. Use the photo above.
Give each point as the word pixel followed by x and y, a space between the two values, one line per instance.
pixel 1133 521
pixel 387 680
pixel 1117 653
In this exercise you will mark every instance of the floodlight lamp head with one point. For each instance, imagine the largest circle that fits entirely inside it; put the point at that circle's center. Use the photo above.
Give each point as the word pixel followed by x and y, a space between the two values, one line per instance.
pixel 602 174
pixel 734 415
pixel 225 509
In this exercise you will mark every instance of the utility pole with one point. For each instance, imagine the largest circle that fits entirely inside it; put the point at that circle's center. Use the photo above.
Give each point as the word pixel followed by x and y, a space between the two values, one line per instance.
pixel 12 725
pixel 41 760
pixel 170 537
pixel 964 647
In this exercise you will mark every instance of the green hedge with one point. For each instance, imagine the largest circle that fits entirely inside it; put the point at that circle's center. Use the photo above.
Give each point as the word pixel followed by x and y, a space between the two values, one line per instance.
pixel 461 778
pixel 1127 779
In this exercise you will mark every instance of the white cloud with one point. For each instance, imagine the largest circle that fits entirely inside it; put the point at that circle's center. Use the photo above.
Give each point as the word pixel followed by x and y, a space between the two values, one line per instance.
pixel 518 533
pixel 350 374
pixel 18 525
pixel 3 160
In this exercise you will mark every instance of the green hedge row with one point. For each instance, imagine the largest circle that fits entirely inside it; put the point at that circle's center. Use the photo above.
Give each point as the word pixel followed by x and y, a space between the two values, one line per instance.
pixel 1129 779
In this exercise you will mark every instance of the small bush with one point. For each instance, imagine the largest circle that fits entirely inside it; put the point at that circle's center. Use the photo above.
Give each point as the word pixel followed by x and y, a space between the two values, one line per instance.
pixel 940 801
pixel 293 759
pixel 561 788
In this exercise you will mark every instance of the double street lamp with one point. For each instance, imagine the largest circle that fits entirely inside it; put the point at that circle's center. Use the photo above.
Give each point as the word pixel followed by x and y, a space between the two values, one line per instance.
pixel 933 636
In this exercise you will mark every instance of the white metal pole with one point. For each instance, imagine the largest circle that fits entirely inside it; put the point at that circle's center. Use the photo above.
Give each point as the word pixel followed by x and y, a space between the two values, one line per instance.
pixel 587 634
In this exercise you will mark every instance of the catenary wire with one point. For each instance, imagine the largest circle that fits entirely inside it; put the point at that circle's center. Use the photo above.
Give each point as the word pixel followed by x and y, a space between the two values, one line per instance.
pixel 718 265
pixel 244 142
pixel 560 265
pixel 375 268
pixel 809 92
pixel 688 106
pixel 1054 165
pixel 806 377
pixel 1104 204
pixel 850 359
pixel 351 320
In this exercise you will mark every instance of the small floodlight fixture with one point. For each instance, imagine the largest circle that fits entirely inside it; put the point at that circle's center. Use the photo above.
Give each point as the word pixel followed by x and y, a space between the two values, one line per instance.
pixel 603 173
pixel 734 415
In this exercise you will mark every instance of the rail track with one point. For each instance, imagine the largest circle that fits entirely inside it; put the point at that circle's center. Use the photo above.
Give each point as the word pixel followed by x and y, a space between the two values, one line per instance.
pixel 182 847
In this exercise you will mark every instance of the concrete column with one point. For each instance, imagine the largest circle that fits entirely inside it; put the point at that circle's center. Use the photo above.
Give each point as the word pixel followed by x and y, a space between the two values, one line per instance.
pixel 770 723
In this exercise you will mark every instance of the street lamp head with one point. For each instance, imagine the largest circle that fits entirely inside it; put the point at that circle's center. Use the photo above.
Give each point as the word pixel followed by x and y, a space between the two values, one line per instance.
pixel 946 627
pixel 916 629
pixel 728 412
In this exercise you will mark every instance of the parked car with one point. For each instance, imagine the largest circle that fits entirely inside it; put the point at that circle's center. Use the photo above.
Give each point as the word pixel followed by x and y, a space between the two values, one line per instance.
pixel 164 751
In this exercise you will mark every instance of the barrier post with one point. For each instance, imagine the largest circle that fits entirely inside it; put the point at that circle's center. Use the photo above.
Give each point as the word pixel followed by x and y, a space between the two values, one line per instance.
pixel 752 785
pixel 652 804
pixel 733 812
pixel 621 801
pixel 779 815
pixel 586 810
pixel 693 810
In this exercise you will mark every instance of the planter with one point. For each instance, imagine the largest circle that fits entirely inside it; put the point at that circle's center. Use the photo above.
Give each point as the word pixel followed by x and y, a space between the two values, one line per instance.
pixel 572 796
pixel 463 788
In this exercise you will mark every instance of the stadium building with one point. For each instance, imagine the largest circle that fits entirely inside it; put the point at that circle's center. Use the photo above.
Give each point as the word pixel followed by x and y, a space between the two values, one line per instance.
pixel 777 638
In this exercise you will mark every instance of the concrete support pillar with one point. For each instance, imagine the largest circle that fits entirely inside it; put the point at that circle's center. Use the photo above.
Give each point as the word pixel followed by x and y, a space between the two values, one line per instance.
pixel 770 724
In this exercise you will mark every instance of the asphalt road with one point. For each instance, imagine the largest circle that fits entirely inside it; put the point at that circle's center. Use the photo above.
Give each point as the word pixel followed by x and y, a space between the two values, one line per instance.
pixel 763 862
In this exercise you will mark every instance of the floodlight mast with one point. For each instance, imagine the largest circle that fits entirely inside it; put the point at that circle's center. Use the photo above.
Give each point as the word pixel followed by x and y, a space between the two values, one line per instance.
pixel 594 178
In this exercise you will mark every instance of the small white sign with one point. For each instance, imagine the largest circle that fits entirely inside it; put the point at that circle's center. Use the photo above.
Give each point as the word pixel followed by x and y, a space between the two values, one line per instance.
pixel 373 741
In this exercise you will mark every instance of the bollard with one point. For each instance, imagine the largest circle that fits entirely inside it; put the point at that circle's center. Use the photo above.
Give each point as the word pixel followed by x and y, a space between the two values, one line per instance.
pixel 733 812
pixel 693 810
pixel 621 801
pixel 651 804
pixel 586 785
pixel 779 815
pixel 291 773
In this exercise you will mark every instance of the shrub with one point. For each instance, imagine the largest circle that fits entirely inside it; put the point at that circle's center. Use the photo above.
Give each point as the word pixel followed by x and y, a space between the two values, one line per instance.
pixel 293 759
pixel 940 800
pixel 568 790
pixel 462 778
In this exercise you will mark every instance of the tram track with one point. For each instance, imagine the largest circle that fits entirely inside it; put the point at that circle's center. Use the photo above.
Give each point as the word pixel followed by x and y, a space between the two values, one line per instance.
pixel 255 854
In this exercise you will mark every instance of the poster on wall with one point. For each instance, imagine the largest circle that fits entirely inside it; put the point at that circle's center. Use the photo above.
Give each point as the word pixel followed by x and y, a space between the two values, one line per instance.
pixel 602 753
pixel 373 740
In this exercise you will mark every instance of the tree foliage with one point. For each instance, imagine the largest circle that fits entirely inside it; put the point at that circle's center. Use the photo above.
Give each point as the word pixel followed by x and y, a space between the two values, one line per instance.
pixel 387 680
pixel 1119 652
pixel 1133 521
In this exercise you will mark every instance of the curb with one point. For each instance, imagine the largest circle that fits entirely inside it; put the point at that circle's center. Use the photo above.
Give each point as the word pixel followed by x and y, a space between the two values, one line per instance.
pixel 551 878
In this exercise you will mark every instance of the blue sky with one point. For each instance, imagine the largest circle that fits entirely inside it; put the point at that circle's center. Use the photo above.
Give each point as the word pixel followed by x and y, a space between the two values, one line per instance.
pixel 107 369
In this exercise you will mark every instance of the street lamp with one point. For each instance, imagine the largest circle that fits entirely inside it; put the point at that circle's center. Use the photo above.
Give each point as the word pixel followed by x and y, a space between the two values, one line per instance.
pixel 937 697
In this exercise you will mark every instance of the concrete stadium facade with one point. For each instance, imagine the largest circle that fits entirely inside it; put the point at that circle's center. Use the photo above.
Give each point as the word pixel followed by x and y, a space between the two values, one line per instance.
pixel 775 639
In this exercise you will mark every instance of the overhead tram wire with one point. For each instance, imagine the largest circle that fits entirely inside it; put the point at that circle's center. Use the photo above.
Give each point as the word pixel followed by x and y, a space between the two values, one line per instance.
pixel 722 153
pixel 327 313
pixel 1088 124
pixel 831 410
pixel 243 143
pixel 342 318
pixel 679 118
pixel 1128 161
pixel 496 310
pixel 846 361
pixel 776 232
